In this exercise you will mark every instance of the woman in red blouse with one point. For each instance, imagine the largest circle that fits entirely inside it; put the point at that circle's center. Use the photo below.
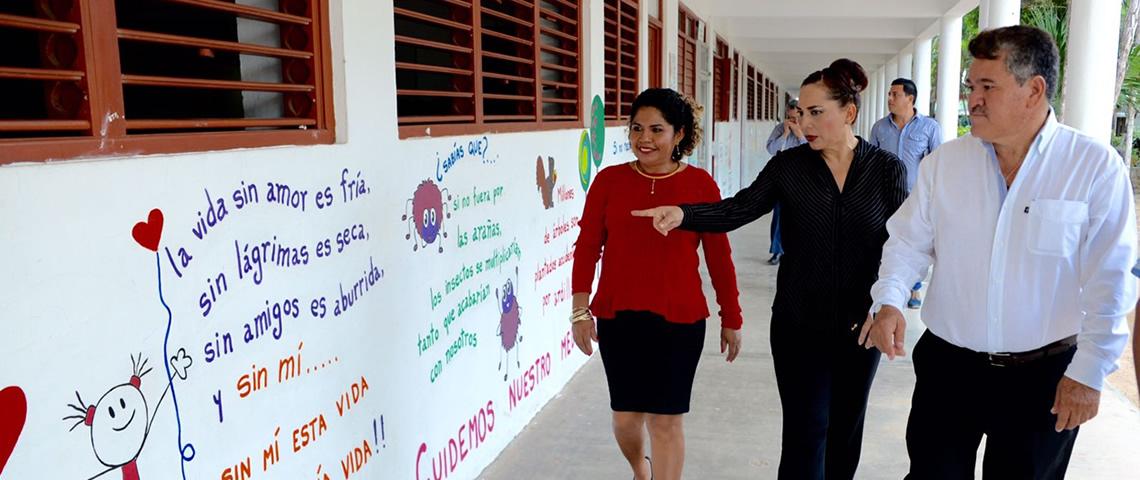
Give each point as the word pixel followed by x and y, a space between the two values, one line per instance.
pixel 649 304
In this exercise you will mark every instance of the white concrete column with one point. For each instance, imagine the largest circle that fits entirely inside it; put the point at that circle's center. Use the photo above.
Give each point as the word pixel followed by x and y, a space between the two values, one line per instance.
pixel 884 85
pixel 1094 26
pixel 876 97
pixel 864 98
pixel 670 10
pixel 872 98
pixel 983 15
pixel 1002 13
pixel 949 75
pixel 880 93
pixel 859 123
pixel 922 59
pixel 865 107
pixel 892 72
pixel 906 63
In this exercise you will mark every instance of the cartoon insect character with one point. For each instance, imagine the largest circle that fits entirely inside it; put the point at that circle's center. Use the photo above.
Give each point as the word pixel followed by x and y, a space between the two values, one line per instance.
pixel 428 211
pixel 120 421
pixel 546 181
pixel 509 322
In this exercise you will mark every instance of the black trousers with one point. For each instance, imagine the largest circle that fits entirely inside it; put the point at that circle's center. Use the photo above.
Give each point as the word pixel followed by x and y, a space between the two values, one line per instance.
pixel 958 397
pixel 823 383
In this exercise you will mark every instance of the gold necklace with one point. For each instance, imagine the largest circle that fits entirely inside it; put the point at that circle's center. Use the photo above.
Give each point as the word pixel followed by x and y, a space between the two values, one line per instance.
pixel 1012 173
pixel 654 178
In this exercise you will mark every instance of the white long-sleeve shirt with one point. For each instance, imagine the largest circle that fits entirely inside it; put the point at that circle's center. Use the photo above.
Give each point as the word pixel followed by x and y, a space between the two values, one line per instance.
pixel 1017 269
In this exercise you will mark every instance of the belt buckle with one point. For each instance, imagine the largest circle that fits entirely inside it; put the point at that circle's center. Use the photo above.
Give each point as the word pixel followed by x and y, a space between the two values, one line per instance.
pixel 996 359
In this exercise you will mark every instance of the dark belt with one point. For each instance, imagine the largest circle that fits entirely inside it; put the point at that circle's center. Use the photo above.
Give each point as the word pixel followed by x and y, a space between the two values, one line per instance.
pixel 1021 358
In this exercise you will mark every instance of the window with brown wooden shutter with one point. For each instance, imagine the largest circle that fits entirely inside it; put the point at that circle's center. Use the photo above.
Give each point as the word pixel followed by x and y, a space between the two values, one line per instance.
pixel 170 76
pixel 656 36
pixel 759 100
pixel 621 60
pixel 734 98
pixel 751 100
pixel 776 107
pixel 687 35
pixel 771 99
pixel 765 99
pixel 762 96
pixel 721 68
pixel 505 65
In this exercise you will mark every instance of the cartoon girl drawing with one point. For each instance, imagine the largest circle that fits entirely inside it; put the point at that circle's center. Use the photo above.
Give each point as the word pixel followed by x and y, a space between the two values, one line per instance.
pixel 120 421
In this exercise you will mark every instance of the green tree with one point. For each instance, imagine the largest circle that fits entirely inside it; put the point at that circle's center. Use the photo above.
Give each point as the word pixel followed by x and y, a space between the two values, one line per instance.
pixel 1051 16
pixel 1129 101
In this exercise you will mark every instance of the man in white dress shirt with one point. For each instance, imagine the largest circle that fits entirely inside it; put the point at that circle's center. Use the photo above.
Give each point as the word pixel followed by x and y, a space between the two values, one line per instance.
pixel 1033 229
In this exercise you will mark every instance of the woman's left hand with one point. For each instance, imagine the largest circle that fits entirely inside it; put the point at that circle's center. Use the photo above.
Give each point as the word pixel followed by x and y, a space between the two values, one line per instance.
pixel 730 340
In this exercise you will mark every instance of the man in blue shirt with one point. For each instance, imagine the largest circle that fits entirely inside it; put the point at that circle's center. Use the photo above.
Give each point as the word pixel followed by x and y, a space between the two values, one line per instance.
pixel 908 135
pixel 784 136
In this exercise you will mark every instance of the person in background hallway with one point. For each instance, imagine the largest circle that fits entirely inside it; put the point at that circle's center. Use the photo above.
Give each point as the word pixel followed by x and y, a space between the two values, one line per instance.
pixel 837 192
pixel 909 135
pixel 650 307
pixel 1032 230
pixel 784 136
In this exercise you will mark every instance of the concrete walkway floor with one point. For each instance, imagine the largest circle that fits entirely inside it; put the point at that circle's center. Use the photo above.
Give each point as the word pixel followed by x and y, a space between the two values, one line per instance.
pixel 733 430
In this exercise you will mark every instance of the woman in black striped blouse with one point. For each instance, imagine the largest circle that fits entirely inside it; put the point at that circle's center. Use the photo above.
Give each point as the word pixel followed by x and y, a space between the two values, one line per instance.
pixel 836 193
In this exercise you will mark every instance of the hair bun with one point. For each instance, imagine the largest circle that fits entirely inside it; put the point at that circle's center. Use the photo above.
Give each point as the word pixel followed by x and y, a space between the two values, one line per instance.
pixel 851 73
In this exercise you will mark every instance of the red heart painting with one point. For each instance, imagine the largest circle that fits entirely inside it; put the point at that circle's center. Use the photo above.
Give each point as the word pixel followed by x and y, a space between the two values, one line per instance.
pixel 13 412
pixel 148 233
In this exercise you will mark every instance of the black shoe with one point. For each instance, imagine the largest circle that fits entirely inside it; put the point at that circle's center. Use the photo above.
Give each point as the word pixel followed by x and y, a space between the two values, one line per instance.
pixel 775 260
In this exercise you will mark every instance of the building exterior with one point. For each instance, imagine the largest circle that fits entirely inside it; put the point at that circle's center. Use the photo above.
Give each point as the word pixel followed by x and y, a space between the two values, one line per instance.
pixel 328 237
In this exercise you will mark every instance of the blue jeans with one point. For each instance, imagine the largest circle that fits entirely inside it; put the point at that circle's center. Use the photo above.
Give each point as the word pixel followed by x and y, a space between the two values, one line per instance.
pixel 777 247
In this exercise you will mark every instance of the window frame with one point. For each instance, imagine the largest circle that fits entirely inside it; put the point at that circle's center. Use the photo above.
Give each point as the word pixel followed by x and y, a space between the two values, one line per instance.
pixel 622 107
pixel 656 38
pixel 734 97
pixel 773 100
pixel 103 83
pixel 721 83
pixel 750 98
pixel 478 125
pixel 687 39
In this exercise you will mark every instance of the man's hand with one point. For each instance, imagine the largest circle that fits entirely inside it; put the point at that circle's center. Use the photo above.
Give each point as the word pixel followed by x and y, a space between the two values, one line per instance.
pixel 664 218
pixel 886 331
pixel 1074 404
pixel 730 341
pixel 797 130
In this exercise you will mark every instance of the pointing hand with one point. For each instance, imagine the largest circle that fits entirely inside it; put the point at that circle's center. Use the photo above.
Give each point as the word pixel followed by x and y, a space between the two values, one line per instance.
pixel 664 218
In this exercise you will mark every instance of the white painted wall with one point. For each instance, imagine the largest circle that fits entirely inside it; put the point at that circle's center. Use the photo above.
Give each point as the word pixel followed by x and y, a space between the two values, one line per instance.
pixel 81 297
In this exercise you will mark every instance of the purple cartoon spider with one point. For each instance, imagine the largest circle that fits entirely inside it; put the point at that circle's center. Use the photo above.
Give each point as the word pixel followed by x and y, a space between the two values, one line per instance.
pixel 428 212
pixel 509 322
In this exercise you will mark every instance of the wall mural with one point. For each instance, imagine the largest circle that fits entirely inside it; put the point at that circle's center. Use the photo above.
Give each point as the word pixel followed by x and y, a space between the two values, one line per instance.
pixel 592 144
pixel 290 336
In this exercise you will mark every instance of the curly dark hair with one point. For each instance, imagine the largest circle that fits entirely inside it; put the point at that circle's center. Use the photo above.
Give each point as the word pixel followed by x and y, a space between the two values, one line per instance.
pixel 844 80
pixel 679 110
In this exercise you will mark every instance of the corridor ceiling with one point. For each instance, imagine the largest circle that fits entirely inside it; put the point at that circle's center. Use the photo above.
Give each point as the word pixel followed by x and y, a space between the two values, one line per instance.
pixel 789 39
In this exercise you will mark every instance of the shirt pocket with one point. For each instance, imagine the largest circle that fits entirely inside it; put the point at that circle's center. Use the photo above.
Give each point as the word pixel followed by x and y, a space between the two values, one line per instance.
pixel 1055 226
pixel 915 146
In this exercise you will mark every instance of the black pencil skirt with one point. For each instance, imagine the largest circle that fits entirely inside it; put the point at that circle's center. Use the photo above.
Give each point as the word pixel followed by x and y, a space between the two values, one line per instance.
pixel 649 362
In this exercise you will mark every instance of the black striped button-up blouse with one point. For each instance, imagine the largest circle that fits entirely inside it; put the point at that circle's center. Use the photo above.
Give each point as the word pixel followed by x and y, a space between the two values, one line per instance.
pixel 832 240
